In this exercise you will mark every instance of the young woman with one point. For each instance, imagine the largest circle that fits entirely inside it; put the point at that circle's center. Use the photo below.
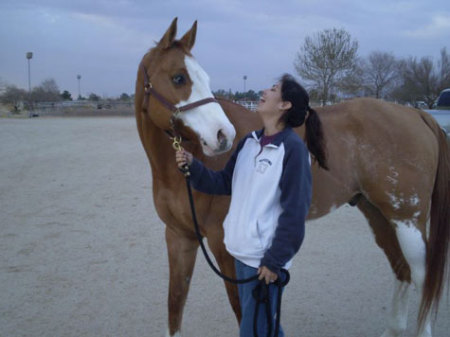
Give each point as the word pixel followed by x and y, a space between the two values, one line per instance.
pixel 269 180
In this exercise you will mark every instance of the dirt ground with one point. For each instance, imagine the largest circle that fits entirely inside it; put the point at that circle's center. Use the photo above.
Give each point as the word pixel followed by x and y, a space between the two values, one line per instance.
pixel 82 251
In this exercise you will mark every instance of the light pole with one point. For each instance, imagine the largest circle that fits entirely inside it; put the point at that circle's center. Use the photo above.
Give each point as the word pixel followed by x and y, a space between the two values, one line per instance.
pixel 245 79
pixel 79 87
pixel 29 56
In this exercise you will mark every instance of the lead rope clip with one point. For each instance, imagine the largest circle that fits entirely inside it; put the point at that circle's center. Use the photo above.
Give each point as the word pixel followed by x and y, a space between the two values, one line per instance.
pixel 176 144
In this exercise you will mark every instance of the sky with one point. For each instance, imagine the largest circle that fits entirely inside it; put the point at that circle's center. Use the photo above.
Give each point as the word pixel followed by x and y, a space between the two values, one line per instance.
pixel 104 40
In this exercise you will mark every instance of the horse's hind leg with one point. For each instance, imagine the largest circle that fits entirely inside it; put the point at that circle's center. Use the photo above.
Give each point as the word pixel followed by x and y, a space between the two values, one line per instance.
pixel 414 249
pixel 386 238
pixel 182 251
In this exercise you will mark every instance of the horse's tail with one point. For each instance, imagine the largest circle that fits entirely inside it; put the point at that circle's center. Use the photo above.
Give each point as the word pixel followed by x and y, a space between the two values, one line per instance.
pixel 439 234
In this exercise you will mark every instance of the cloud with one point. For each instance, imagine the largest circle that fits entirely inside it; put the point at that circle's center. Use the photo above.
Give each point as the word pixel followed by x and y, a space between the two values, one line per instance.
pixel 438 27
pixel 104 40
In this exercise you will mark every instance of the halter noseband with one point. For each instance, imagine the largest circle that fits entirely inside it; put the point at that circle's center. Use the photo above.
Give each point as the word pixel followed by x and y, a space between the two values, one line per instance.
pixel 149 90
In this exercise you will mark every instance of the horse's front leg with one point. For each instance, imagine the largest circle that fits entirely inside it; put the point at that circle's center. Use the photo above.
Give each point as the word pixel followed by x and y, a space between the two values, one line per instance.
pixel 182 251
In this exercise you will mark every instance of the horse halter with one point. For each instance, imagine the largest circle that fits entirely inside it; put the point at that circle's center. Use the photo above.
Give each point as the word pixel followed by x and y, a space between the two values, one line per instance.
pixel 149 90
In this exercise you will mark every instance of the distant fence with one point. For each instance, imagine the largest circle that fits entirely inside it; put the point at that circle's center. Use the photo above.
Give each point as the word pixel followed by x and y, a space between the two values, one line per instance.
pixel 83 108
pixel 104 104
pixel 251 105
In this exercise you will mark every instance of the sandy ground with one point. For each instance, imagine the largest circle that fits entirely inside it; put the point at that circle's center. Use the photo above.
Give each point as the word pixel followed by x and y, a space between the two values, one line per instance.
pixel 82 252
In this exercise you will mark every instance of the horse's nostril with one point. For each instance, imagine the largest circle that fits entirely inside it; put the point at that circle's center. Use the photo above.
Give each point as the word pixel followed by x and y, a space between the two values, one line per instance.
pixel 222 139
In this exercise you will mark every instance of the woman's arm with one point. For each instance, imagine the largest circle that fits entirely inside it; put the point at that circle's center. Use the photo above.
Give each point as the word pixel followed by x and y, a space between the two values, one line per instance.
pixel 206 180
pixel 295 199
pixel 212 182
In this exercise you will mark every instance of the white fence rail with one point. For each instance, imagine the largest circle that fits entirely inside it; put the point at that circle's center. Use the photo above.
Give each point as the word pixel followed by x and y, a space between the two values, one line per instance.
pixel 251 105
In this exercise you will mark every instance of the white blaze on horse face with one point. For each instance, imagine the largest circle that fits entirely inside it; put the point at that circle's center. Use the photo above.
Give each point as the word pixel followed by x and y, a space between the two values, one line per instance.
pixel 215 131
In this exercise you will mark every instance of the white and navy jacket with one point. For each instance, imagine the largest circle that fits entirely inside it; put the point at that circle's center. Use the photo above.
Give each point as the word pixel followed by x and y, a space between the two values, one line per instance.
pixel 270 196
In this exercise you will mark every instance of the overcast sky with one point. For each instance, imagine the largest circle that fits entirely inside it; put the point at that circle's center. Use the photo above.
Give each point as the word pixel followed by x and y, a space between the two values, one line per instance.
pixel 104 40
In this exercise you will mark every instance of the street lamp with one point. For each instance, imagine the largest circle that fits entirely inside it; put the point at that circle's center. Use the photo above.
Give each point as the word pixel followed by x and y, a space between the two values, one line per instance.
pixel 29 56
pixel 245 78
pixel 79 90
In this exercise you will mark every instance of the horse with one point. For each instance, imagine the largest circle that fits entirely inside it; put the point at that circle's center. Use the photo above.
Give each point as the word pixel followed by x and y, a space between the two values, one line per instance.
pixel 390 161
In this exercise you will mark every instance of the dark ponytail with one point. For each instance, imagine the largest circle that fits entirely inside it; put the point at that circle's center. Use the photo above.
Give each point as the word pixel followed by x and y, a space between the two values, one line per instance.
pixel 292 91
pixel 314 138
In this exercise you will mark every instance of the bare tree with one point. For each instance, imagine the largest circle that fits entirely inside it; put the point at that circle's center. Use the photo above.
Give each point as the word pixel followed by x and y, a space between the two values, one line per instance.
pixel 326 59
pixel 47 91
pixel 422 80
pixel 2 86
pixel 380 73
pixel 444 69
pixel 13 96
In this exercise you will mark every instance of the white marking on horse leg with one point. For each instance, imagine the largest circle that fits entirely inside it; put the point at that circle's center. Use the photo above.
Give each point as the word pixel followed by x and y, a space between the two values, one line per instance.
pixel 413 248
pixel 177 334
pixel 396 201
pixel 399 310
pixel 209 121
pixel 426 330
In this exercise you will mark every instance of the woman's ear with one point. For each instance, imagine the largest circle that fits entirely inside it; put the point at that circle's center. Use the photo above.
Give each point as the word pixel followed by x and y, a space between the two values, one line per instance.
pixel 285 105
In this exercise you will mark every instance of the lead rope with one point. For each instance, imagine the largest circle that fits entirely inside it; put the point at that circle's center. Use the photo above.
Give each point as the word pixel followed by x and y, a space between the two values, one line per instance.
pixel 262 288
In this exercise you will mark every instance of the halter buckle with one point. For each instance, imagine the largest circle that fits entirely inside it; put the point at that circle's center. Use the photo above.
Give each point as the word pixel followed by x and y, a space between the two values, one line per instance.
pixel 176 143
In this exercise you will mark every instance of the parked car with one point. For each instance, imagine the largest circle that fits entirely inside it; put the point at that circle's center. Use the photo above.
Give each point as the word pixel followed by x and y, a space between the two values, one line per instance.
pixel 443 101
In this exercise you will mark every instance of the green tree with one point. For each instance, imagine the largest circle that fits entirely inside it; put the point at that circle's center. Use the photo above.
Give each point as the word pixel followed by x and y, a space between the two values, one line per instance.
pixel 94 97
pixel 67 96
pixel 223 93
pixel 250 95
pixel 124 97
pixel 327 59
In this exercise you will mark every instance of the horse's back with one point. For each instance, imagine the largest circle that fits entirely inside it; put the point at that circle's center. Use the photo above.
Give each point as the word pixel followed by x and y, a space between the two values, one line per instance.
pixel 381 129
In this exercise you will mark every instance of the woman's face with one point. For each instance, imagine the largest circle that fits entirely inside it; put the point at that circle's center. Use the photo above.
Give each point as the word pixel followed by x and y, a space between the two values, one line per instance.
pixel 270 100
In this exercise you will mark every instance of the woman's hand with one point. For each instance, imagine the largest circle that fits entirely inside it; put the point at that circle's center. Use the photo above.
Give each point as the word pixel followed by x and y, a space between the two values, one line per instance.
pixel 265 273
pixel 183 158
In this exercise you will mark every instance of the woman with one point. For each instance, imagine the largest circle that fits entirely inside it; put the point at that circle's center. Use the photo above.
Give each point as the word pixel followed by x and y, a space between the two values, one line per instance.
pixel 269 179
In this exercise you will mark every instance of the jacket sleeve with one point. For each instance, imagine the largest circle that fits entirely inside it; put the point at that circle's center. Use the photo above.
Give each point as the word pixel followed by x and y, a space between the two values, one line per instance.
pixel 295 199
pixel 209 181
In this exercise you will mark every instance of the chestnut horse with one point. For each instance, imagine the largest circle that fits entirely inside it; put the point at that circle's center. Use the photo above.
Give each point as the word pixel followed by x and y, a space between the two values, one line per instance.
pixel 391 161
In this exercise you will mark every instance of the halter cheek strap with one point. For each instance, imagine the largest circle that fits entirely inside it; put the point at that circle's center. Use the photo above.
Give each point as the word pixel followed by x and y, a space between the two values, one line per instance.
pixel 149 90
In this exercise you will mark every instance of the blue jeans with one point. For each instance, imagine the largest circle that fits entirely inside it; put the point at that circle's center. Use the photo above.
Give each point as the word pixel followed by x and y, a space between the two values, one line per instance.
pixel 248 304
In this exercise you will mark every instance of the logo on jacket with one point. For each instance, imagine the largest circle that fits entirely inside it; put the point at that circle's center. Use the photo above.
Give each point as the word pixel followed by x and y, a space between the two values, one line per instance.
pixel 262 165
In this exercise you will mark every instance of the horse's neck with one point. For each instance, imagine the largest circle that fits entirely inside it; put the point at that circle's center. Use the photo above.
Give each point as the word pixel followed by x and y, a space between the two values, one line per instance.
pixel 162 155
pixel 159 151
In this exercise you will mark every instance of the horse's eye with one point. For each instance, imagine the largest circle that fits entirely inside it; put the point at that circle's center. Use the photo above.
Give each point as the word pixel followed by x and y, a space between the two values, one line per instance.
pixel 179 79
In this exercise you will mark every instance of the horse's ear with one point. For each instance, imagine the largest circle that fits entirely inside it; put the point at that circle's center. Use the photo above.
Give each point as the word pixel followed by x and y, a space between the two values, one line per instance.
pixel 189 38
pixel 169 36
